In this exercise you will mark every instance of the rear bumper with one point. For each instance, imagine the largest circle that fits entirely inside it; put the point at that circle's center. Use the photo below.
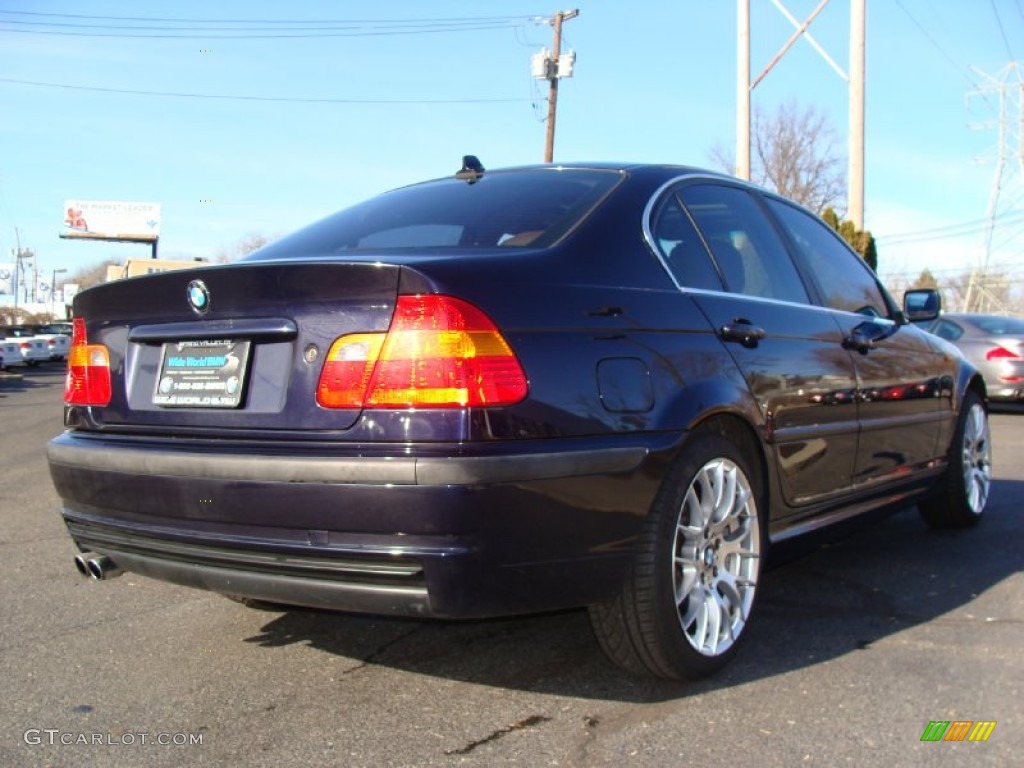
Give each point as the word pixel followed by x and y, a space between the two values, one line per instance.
pixel 126 458
pixel 521 527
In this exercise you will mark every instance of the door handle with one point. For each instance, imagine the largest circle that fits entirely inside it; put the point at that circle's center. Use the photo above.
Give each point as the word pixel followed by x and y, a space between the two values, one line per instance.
pixel 742 331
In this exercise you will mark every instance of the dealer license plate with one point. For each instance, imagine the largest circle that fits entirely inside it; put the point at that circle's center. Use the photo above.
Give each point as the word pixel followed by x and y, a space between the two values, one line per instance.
pixel 202 374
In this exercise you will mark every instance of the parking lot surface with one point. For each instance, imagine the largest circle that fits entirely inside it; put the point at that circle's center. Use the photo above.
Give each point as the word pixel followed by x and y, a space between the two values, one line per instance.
pixel 857 646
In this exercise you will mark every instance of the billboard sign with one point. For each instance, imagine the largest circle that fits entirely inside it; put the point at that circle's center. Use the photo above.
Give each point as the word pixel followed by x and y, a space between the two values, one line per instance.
pixel 111 220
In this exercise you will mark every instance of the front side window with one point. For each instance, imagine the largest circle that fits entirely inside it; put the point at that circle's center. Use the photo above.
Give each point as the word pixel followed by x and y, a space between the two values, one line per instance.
pixel 845 281
pixel 503 209
pixel 749 254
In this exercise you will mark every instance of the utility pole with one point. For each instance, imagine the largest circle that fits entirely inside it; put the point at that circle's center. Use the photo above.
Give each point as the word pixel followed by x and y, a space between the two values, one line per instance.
pixel 743 89
pixel 553 67
pixel 855 177
pixel 858 13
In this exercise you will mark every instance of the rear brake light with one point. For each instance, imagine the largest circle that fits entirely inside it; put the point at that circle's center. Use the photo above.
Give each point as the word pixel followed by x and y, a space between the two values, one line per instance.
pixel 88 377
pixel 440 352
pixel 1001 353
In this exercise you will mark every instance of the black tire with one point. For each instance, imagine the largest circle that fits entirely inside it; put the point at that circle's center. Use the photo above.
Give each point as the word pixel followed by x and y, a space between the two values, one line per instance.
pixel 960 498
pixel 645 629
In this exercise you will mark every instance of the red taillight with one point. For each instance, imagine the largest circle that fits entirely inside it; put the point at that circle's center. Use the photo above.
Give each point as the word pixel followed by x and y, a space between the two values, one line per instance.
pixel 1001 353
pixel 440 352
pixel 88 377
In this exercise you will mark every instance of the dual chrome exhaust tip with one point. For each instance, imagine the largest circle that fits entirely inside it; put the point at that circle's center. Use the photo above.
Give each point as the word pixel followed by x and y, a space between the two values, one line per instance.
pixel 98 567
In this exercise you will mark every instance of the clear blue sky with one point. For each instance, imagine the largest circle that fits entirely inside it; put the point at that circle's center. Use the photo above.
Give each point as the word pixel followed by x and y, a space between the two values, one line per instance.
pixel 655 81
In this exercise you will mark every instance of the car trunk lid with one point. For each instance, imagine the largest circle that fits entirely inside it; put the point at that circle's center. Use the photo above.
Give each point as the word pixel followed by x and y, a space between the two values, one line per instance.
pixel 234 347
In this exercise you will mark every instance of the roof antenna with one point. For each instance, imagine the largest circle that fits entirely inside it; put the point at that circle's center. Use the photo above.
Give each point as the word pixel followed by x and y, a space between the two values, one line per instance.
pixel 472 169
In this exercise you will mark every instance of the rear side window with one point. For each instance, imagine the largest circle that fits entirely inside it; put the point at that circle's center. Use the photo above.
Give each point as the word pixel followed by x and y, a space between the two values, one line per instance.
pixel 749 254
pixel 1000 326
pixel 682 249
pixel 504 209
pixel 846 282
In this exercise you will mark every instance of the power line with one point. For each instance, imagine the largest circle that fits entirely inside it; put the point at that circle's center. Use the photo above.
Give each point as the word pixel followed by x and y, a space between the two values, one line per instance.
pixel 241 29
pixel 290 99
pixel 1002 31
pixel 1008 269
pixel 945 54
pixel 298 35
pixel 949 231
pixel 439 20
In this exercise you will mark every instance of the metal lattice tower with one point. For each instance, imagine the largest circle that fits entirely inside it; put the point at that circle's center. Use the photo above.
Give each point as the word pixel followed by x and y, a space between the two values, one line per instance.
pixel 1007 88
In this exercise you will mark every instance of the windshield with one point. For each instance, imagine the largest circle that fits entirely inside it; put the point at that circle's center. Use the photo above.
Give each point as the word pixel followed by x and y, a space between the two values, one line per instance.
pixel 505 209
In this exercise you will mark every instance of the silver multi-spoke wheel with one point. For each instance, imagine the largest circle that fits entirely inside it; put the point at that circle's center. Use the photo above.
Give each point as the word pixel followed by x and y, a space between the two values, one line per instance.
pixel 716 557
pixel 689 593
pixel 960 497
pixel 977 458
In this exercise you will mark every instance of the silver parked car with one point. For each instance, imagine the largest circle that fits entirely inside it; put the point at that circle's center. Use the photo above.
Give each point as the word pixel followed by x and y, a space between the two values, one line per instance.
pixel 994 344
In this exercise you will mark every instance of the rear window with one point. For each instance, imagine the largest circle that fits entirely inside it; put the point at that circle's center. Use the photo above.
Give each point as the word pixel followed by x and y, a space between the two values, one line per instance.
pixel 1000 326
pixel 504 209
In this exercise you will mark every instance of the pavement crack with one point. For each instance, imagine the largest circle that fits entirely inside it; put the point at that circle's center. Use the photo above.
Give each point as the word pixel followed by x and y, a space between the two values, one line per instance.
pixel 527 722
pixel 380 651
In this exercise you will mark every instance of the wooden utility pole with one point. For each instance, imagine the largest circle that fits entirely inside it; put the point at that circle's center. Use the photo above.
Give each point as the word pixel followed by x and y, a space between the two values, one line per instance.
pixel 553 77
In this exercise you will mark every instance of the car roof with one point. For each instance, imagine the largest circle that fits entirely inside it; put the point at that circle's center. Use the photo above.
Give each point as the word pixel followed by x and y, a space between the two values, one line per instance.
pixel 665 171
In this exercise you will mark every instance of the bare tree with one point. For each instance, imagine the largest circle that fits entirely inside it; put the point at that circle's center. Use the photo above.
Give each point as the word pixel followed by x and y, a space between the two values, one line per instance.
pixel 245 245
pixel 793 153
pixel 926 279
pixel 86 277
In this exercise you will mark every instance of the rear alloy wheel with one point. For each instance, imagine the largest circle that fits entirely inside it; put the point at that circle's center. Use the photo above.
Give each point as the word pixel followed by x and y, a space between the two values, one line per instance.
pixel 690 592
pixel 960 499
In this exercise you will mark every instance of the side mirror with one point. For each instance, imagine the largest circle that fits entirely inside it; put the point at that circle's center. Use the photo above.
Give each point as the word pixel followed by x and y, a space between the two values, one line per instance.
pixel 922 304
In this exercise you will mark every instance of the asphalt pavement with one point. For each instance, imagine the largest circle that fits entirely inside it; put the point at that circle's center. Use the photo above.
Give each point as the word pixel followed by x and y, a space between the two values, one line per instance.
pixel 856 648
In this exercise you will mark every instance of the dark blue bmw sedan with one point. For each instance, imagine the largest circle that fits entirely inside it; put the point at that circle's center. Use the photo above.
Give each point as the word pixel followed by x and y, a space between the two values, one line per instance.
pixel 510 391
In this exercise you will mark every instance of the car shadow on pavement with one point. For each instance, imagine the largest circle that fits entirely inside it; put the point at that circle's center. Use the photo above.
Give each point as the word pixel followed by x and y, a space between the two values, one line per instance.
pixel 20 379
pixel 1000 407
pixel 890 574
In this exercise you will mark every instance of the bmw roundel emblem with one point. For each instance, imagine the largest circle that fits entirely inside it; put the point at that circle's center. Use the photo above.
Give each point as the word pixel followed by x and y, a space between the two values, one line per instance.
pixel 199 296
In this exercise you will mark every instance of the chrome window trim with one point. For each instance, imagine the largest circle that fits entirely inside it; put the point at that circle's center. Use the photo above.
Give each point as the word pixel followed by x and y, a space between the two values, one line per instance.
pixel 780 302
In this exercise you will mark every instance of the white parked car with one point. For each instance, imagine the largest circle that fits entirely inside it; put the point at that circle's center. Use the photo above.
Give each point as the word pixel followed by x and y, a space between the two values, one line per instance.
pixel 57 343
pixel 57 336
pixel 34 349
pixel 10 355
